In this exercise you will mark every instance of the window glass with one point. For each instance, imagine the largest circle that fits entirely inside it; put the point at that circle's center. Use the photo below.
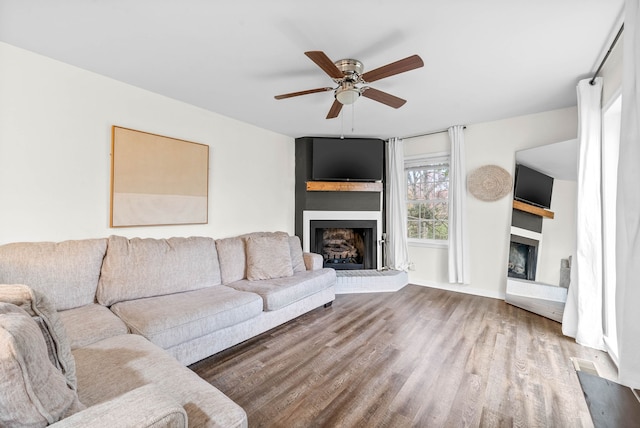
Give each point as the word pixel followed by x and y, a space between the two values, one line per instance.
pixel 428 199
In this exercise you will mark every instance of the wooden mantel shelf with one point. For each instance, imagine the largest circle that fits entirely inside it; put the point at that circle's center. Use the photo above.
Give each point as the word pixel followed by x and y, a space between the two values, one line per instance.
pixel 343 186
pixel 532 209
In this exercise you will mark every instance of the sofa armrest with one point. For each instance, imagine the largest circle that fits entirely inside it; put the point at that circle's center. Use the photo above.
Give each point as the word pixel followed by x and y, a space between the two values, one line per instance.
pixel 146 406
pixel 313 261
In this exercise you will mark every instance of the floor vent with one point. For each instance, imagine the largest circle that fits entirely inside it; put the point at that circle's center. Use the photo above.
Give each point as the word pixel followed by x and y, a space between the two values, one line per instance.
pixel 585 366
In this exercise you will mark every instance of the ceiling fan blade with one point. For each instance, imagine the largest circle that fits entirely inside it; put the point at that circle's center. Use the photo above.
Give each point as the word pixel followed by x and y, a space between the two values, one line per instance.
pixel 295 94
pixel 407 64
pixel 323 61
pixel 335 109
pixel 383 97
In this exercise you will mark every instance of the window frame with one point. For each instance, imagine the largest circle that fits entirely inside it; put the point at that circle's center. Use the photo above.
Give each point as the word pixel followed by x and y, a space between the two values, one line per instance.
pixel 417 161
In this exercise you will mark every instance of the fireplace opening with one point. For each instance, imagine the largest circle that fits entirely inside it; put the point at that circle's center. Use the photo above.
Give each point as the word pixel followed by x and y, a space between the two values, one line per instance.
pixel 523 256
pixel 343 248
pixel 349 244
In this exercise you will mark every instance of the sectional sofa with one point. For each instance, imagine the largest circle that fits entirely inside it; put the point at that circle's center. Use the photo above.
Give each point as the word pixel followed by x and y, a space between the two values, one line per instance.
pixel 120 319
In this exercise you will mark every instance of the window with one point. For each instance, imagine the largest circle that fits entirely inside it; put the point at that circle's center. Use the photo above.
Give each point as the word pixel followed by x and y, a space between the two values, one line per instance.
pixel 428 199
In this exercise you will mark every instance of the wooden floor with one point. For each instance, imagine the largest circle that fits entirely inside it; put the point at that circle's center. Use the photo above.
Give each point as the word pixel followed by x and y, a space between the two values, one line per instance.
pixel 419 357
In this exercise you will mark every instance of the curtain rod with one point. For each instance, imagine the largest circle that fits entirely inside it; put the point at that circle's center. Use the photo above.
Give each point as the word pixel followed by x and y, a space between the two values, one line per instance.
pixel 613 44
pixel 430 133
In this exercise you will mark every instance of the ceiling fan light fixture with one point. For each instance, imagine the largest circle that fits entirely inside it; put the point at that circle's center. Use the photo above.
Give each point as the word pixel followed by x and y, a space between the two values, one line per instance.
pixel 347 95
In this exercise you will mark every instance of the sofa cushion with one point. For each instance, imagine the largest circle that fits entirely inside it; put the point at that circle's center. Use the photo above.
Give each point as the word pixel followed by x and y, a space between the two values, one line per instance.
pixel 268 257
pixel 279 292
pixel 39 394
pixel 66 272
pixel 51 327
pixel 91 323
pixel 137 268
pixel 297 260
pixel 233 262
pixel 114 366
pixel 177 318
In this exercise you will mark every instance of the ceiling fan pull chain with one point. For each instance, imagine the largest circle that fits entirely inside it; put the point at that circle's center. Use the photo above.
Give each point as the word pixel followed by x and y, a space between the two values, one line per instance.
pixel 353 118
pixel 342 126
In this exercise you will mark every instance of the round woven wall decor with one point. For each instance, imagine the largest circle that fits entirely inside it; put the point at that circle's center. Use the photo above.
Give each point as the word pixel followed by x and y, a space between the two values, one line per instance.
pixel 489 183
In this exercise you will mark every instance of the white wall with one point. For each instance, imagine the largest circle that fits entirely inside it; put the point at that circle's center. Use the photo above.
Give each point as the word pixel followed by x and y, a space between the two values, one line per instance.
pixel 558 234
pixel 55 142
pixel 612 73
pixel 487 143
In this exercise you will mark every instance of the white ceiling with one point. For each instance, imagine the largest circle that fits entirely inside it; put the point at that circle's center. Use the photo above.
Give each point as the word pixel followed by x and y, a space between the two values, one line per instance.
pixel 559 160
pixel 484 60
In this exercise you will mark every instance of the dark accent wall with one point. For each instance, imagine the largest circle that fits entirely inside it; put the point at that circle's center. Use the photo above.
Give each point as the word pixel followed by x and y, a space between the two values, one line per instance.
pixel 527 221
pixel 325 201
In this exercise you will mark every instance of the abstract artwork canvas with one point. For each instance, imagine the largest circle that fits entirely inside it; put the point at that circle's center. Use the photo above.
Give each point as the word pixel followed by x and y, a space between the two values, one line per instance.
pixel 157 180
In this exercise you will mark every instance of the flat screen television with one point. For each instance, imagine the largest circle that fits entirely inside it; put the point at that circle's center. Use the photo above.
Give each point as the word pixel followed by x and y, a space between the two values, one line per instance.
pixel 533 187
pixel 349 159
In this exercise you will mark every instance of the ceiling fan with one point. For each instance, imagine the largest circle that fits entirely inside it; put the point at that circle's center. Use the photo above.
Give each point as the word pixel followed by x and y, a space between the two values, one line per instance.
pixel 348 74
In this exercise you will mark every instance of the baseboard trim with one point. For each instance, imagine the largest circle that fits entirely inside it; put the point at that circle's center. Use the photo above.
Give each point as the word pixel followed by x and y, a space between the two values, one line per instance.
pixel 461 289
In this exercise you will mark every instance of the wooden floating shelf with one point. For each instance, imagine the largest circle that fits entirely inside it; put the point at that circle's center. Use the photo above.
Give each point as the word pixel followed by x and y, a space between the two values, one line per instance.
pixel 532 209
pixel 342 186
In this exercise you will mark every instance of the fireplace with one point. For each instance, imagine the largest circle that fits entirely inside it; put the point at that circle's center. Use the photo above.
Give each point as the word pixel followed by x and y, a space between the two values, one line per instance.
pixel 345 244
pixel 523 257
pixel 362 231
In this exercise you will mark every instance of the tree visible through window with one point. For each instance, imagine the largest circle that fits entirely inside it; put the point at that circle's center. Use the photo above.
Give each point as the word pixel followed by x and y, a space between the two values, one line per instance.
pixel 428 200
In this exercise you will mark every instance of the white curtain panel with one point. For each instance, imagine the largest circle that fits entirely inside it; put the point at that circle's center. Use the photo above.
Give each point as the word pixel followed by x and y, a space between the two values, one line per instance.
pixel 628 206
pixel 397 254
pixel 582 317
pixel 459 270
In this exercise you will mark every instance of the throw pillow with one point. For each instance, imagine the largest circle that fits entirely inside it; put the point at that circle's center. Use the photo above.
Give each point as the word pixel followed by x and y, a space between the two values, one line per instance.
pixel 47 318
pixel 297 260
pixel 39 394
pixel 268 257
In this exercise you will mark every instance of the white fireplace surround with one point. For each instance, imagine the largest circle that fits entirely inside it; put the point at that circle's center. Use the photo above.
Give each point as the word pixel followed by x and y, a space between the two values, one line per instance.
pixel 308 216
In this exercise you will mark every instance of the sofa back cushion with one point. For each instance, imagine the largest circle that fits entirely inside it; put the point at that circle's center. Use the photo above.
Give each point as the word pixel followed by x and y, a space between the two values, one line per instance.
pixel 233 261
pixel 35 393
pixel 297 258
pixel 66 272
pixel 137 268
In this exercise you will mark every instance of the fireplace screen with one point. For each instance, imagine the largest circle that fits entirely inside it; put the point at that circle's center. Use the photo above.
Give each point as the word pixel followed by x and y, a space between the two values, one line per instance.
pixel 342 246
pixel 345 244
pixel 523 255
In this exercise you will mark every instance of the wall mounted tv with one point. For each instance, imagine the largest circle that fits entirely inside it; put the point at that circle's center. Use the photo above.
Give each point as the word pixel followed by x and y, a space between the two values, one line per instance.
pixel 349 159
pixel 533 187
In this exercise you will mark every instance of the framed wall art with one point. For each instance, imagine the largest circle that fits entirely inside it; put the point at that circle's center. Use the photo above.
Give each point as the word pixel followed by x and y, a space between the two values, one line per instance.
pixel 157 180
